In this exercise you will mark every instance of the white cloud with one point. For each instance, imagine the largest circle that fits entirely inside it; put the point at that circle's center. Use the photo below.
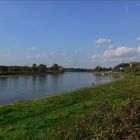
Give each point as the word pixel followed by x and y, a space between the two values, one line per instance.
pixel 117 54
pixel 122 52
pixel 65 58
pixel 37 56
pixel 29 56
pixel 32 48
pixel 104 42
pixel 138 38
pixel 63 54
pixel 95 57
pixel 49 55
pixel 113 55
pixel 53 55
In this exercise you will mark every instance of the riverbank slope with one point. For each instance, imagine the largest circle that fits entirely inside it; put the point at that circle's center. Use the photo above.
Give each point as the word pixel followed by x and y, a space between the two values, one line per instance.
pixel 109 111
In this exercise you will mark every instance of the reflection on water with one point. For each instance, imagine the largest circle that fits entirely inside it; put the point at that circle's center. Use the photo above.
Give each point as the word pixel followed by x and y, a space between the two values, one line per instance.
pixel 3 82
pixel 13 88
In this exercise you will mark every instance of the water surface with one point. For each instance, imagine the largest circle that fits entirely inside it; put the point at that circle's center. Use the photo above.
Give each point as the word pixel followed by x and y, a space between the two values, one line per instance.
pixel 15 88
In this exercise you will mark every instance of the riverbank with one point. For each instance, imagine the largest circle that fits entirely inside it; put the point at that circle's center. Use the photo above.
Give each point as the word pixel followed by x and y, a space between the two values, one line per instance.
pixel 81 114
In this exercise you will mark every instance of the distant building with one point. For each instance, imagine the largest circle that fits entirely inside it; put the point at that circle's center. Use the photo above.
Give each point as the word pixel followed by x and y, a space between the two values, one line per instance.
pixel 120 68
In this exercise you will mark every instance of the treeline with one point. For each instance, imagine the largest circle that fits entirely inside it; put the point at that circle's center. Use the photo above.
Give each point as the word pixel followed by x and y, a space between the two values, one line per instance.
pixel 100 69
pixel 38 69
pixel 122 67
pixel 128 67
pixel 55 68
pixel 77 70
pixel 34 69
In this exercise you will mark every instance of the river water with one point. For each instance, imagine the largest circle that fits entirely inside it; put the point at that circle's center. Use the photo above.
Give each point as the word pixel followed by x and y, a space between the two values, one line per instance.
pixel 15 88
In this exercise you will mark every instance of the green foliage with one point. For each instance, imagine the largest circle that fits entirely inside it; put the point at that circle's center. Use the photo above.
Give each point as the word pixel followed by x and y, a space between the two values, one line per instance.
pixel 128 67
pixel 116 120
pixel 42 68
pixel 99 69
pixel 55 67
pixel 34 69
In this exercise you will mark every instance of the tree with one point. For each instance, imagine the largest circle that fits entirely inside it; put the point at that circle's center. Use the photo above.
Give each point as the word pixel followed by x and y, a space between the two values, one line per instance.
pixel 34 67
pixel 98 68
pixel 42 68
pixel 61 69
pixel 4 68
pixel 55 67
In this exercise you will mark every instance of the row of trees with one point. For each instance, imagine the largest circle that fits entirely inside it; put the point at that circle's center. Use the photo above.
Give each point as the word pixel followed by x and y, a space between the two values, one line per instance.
pixel 41 68
pixel 33 69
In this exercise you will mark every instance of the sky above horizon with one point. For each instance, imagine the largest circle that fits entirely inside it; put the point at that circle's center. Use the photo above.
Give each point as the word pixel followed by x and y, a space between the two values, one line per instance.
pixel 73 34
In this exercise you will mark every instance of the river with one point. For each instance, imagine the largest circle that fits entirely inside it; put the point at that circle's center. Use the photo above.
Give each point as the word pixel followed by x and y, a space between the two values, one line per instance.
pixel 15 88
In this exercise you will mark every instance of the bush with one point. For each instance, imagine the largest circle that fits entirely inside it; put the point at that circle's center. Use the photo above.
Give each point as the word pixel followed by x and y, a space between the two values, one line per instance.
pixel 110 121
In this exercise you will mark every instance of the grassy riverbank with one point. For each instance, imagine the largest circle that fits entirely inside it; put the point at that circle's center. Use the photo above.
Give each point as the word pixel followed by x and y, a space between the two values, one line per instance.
pixel 109 111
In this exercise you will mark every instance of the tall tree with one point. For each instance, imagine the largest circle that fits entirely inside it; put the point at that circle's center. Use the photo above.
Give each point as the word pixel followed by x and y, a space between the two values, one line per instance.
pixel 34 67
pixel 42 68
pixel 55 67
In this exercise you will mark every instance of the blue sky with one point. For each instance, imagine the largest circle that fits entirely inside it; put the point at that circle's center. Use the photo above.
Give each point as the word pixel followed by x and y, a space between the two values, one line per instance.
pixel 72 34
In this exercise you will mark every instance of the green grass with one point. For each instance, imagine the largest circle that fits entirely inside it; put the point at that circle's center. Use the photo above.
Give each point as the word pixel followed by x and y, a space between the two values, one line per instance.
pixel 109 111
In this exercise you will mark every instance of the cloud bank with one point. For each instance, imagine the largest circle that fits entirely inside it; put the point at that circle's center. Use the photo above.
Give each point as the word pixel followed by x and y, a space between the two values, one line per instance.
pixel 116 54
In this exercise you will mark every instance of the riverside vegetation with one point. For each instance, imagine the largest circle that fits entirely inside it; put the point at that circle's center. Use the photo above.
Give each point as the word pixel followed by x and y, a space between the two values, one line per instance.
pixel 34 69
pixel 38 70
pixel 102 112
pixel 56 69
